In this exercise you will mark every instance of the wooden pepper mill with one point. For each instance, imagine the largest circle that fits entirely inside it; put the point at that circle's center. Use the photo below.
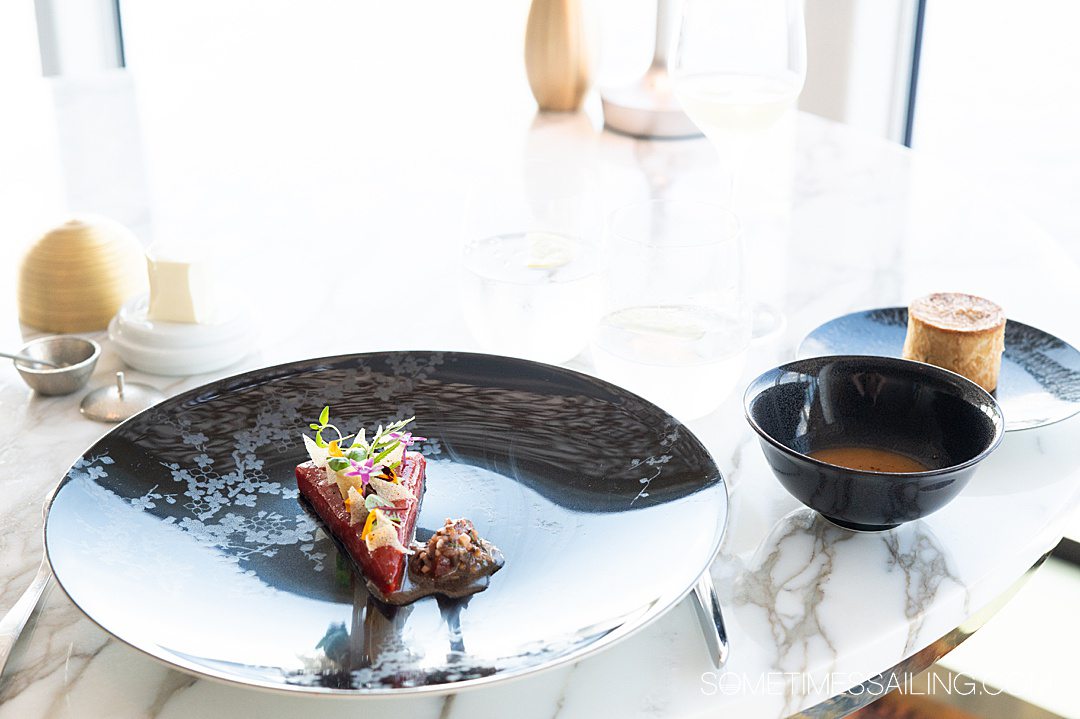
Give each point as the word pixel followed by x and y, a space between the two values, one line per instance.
pixel 556 54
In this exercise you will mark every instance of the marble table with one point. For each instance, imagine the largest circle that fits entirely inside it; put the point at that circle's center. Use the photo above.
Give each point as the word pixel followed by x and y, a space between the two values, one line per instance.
pixel 819 619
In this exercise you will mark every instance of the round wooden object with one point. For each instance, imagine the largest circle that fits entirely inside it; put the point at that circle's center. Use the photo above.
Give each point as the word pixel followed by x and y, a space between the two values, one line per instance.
pixel 76 276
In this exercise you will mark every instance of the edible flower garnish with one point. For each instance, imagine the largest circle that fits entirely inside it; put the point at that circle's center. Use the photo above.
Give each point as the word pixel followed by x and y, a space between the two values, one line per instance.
pixel 362 470
pixel 369 525
pixel 366 468
pixel 407 438
pixel 363 457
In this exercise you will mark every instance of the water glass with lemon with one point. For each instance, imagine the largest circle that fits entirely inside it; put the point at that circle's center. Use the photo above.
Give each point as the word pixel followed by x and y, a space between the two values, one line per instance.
pixel 677 326
pixel 532 284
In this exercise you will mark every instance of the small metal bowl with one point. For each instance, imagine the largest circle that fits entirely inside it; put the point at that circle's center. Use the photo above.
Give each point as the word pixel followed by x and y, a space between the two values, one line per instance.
pixel 77 356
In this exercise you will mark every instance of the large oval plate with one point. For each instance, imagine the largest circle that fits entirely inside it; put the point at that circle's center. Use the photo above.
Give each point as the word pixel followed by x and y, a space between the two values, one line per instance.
pixel 1039 382
pixel 180 531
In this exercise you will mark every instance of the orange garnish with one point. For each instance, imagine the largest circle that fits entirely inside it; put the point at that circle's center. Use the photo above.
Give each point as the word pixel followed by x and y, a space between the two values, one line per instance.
pixel 369 525
pixel 334 450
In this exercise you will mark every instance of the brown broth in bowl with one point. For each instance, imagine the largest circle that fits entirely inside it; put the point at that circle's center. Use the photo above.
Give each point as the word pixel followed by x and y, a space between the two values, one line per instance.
pixel 868 459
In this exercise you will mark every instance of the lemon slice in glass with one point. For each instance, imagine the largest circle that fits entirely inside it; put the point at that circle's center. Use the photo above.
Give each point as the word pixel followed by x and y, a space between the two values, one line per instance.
pixel 548 251
pixel 676 322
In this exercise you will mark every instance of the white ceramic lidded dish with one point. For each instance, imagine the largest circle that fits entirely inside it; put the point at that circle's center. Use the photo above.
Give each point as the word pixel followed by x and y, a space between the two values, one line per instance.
pixel 176 348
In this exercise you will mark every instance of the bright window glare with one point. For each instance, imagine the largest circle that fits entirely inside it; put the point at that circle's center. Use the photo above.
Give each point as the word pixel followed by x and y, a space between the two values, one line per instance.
pixel 235 86
pixel 999 95
pixel 224 87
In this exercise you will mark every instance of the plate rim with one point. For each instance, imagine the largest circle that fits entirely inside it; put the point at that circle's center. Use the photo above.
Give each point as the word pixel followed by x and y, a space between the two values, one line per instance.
pixel 800 354
pixel 623 631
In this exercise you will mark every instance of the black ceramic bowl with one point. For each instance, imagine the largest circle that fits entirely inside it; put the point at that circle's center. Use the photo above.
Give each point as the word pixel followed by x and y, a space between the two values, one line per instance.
pixel 937 417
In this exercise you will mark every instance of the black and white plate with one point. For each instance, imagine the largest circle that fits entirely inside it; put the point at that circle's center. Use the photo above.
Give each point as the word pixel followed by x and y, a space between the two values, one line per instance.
pixel 181 534
pixel 1039 382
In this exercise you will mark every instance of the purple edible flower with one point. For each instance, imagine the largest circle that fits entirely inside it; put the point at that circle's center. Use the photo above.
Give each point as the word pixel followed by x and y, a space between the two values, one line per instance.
pixel 362 470
pixel 406 438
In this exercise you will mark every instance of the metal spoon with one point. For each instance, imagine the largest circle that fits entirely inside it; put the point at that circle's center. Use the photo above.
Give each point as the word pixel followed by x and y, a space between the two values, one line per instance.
pixel 11 626
pixel 707 605
pixel 31 360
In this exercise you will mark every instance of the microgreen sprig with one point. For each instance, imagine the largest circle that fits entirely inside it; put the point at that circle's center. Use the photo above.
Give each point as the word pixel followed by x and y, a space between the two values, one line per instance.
pixel 324 423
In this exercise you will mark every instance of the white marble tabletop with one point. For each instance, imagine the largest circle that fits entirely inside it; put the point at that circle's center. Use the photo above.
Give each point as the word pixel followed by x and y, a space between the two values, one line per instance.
pixel 811 610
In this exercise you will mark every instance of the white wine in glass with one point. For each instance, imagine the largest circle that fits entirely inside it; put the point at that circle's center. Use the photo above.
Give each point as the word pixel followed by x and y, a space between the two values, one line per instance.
pixel 727 106
pixel 738 67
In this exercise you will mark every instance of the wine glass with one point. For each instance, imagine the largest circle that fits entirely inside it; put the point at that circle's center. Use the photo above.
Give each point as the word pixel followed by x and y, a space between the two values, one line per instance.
pixel 738 68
